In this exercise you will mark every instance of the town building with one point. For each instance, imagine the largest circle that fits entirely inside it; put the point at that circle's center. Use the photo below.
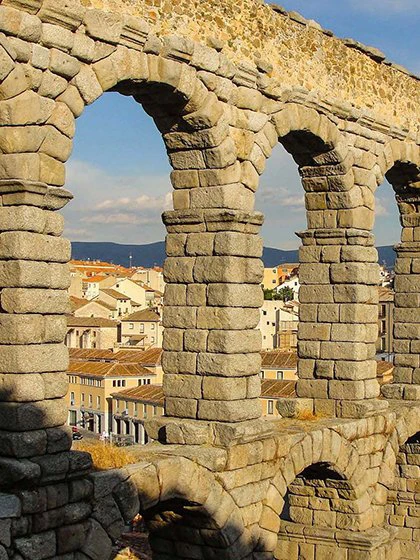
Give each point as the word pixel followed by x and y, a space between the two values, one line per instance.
pixel 279 365
pixel 132 406
pixel 121 304
pixel 91 383
pixel 91 332
pixel 151 277
pixel 278 325
pixel 142 329
pixel 92 285
pixel 276 275
pixel 385 342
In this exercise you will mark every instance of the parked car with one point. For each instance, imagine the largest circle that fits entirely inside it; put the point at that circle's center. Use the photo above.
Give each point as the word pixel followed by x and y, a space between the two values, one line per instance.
pixel 76 434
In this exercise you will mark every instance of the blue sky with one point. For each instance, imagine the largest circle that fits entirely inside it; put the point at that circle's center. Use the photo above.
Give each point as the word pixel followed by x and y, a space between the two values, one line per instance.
pixel 119 171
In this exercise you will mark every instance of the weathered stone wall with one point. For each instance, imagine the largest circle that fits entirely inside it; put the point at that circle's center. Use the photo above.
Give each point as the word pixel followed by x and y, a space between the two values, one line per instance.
pixel 254 33
pixel 220 113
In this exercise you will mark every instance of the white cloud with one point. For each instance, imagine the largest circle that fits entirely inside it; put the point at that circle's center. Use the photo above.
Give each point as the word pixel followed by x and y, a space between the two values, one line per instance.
pixel 142 202
pixel 385 6
pixel 380 208
pixel 115 207
pixel 293 202
pixel 118 218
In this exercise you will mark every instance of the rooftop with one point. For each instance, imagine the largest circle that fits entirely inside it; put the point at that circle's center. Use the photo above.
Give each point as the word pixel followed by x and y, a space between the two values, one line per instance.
pixel 151 357
pixel 108 369
pixel 90 322
pixel 145 315
pixel 278 359
pixel 114 294
pixel 151 394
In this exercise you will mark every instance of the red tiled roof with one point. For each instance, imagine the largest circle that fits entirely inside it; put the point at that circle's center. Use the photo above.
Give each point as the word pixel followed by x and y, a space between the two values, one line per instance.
pixel 151 394
pixel 114 293
pixel 90 354
pixel 90 322
pixel 278 359
pixel 146 315
pixel 108 369
pixel 147 358
pixel 76 303
pixel 277 389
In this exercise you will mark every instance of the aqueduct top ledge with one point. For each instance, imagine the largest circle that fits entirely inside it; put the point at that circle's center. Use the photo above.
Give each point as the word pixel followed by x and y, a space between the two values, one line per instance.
pixel 264 39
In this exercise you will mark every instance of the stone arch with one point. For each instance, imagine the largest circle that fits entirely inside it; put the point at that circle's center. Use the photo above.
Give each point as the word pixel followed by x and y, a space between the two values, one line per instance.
pixel 185 509
pixel 327 451
pixel 401 472
pixel 187 114
pixel 401 166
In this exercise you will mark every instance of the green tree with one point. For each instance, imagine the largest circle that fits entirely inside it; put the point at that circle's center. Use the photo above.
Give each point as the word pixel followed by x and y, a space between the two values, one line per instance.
pixel 286 293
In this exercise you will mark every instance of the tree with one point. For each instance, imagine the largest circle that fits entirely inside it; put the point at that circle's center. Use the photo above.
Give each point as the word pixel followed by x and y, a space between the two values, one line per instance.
pixel 286 293
pixel 268 294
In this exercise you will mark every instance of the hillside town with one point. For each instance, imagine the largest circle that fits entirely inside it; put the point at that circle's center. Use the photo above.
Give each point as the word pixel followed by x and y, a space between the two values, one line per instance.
pixel 115 337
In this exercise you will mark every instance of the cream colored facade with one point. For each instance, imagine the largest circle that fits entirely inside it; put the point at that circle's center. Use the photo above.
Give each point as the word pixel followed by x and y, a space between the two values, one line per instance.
pixel 131 407
pixel 91 332
pixel 95 308
pixel 92 286
pixel 277 274
pixel 142 329
pixel 89 395
pixel 134 290
pixel 152 277
pixel 278 326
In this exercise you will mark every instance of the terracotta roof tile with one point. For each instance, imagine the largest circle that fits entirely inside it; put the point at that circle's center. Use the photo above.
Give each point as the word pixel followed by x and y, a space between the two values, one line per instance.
pixel 108 369
pixel 114 293
pixel 143 315
pixel 277 389
pixel 151 394
pixel 90 322
pixel 278 359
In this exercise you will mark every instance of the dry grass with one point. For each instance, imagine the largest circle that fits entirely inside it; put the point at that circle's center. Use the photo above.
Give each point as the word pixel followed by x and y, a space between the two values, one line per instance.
pixel 106 456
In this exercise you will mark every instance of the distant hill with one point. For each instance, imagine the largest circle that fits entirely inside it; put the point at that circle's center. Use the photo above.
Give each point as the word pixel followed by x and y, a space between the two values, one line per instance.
pixel 153 254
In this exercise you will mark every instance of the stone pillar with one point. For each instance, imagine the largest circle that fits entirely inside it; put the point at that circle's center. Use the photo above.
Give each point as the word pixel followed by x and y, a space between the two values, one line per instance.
pixel 338 325
pixel 34 277
pixel 211 353
pixel 406 379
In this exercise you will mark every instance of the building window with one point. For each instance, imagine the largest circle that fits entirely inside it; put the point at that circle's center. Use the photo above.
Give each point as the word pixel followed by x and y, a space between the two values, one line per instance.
pixel 270 407
pixel 155 411
pixel 145 411
pixel 82 397
pixel 131 325
pixel 142 327
pixel 72 398
pixel 262 374
pixel 152 339
pixel 90 400
pixel 123 383
pixel 152 326
pixel 98 402
pixel 136 409
pixel 280 375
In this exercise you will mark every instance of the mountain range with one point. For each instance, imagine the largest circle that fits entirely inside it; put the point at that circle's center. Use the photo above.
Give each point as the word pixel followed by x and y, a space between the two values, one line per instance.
pixel 153 254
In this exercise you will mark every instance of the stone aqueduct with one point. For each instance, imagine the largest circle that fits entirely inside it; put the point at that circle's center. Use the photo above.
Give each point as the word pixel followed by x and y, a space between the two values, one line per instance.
pixel 224 82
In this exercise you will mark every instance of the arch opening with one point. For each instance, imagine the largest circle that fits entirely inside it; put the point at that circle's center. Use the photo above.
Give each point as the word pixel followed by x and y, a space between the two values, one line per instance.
pixel 404 179
pixel 401 511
